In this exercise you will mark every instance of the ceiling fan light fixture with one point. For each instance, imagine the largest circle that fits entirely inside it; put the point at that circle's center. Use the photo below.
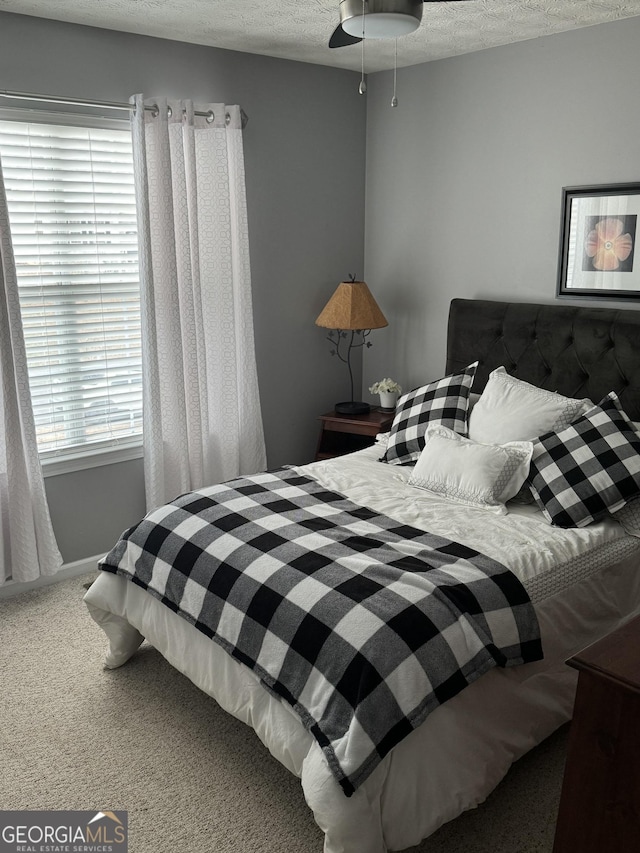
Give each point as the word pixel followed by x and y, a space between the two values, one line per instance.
pixel 382 18
pixel 383 25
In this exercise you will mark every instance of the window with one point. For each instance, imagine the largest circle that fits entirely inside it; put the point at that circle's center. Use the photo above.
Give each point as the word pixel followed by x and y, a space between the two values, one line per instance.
pixel 71 201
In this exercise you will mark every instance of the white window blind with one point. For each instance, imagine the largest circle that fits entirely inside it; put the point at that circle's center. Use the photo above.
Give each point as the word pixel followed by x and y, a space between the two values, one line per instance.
pixel 70 195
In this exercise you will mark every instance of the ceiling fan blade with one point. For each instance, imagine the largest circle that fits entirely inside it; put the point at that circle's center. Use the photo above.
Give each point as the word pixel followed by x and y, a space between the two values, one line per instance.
pixel 341 39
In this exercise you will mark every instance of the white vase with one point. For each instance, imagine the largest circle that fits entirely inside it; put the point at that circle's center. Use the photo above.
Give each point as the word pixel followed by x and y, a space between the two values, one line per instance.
pixel 388 399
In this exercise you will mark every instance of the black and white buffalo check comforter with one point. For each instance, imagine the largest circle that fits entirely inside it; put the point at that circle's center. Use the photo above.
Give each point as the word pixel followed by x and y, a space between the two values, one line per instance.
pixel 362 624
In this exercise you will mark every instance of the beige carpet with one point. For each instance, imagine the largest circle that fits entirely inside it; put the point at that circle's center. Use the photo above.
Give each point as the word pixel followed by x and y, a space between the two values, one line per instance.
pixel 144 739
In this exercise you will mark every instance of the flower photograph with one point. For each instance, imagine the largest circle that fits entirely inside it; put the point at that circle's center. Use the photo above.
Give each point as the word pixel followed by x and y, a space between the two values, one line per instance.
pixel 598 241
pixel 609 243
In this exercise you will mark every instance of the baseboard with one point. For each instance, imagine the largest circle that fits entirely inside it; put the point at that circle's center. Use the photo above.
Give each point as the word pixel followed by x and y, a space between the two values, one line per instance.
pixel 68 570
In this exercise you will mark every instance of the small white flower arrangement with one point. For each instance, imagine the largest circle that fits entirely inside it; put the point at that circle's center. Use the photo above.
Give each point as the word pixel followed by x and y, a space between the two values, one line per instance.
pixel 386 386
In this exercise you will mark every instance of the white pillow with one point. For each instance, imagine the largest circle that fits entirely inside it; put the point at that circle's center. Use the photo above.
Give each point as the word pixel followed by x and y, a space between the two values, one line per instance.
pixel 629 516
pixel 462 470
pixel 512 410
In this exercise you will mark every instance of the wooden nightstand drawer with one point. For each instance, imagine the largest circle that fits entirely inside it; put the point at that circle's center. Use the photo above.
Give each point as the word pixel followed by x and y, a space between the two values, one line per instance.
pixel 340 434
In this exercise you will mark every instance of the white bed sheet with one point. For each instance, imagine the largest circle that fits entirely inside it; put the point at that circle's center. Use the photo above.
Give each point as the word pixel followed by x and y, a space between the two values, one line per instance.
pixel 464 748
pixel 523 540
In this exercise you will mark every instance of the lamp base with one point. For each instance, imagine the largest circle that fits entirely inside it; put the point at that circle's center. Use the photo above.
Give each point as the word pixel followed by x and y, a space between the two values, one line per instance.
pixel 352 408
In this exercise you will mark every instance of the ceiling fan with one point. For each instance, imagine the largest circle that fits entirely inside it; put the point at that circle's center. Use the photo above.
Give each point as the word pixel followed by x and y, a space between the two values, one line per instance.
pixel 381 19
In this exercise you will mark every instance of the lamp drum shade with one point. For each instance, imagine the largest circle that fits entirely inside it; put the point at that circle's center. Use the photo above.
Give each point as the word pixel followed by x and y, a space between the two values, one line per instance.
pixel 352 307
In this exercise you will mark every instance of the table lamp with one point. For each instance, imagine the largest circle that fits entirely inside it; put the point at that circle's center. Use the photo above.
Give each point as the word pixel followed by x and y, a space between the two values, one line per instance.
pixel 353 309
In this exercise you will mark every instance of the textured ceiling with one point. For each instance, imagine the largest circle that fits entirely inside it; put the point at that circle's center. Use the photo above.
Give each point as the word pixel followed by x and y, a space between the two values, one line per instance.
pixel 300 29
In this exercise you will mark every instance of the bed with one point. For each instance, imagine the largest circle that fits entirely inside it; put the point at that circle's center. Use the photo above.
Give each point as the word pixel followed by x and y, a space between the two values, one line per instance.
pixel 583 582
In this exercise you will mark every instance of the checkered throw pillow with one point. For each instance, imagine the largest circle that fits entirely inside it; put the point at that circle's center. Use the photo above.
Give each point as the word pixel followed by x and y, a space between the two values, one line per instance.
pixel 587 469
pixel 444 402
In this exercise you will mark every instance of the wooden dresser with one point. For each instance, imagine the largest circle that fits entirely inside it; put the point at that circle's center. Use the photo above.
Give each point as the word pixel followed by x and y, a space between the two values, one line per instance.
pixel 600 802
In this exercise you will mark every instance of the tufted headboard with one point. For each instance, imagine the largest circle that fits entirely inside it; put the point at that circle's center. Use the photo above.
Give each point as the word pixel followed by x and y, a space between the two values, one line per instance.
pixel 579 352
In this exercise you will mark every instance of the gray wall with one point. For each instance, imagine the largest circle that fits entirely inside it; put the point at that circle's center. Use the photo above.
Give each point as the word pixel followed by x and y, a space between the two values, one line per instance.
pixel 305 175
pixel 463 187
pixel 464 178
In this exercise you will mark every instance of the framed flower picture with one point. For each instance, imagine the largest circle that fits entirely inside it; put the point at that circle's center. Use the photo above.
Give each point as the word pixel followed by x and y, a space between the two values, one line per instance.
pixel 598 252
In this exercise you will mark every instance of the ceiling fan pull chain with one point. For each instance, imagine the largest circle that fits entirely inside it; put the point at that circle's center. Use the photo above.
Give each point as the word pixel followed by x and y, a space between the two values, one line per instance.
pixel 394 100
pixel 362 88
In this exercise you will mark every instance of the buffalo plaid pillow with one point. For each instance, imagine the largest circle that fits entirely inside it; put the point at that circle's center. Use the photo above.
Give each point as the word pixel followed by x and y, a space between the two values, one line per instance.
pixel 587 469
pixel 444 401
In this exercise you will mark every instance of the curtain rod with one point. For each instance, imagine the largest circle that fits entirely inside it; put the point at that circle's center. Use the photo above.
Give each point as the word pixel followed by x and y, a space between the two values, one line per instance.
pixel 109 105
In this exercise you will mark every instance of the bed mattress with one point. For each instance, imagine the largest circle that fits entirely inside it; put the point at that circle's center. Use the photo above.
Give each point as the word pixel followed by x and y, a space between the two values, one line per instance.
pixel 583 582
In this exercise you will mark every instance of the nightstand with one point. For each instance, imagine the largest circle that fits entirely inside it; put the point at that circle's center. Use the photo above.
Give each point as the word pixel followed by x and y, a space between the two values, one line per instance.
pixel 600 802
pixel 340 434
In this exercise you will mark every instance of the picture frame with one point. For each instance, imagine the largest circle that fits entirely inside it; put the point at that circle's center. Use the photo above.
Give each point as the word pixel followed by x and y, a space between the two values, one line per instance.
pixel 599 257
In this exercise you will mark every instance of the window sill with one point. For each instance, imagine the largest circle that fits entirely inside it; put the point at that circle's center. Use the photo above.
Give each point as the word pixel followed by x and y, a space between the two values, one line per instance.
pixel 96 458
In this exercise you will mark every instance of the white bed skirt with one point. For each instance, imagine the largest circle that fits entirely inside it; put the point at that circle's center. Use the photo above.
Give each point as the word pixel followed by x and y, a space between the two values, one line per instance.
pixel 449 764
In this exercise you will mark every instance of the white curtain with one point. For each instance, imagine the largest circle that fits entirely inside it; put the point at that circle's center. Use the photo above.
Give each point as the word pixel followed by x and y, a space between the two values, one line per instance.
pixel 27 545
pixel 202 420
